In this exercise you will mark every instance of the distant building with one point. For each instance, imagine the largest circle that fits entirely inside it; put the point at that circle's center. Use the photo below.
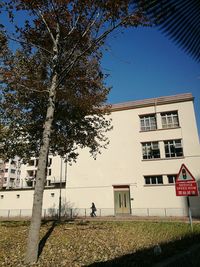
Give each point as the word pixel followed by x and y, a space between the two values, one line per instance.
pixel 53 176
pixel 136 174
pixel 10 173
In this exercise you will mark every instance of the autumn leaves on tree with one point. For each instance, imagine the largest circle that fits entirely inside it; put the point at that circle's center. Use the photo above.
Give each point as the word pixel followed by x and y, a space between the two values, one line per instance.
pixel 52 84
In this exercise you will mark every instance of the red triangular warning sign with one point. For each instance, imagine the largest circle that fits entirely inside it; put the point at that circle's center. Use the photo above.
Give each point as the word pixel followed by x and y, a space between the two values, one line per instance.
pixel 185 183
pixel 184 174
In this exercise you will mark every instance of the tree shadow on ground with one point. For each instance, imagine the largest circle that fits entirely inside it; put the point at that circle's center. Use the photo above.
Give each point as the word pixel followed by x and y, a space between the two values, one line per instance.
pixel 45 237
pixel 44 222
pixel 147 257
pixel 48 233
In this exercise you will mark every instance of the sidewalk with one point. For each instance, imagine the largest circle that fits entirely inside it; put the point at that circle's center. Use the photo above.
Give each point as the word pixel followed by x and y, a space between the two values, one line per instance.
pixel 140 218
pixel 112 218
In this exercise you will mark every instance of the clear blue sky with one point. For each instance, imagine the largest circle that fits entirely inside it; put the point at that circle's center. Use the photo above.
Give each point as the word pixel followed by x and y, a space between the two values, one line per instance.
pixel 144 63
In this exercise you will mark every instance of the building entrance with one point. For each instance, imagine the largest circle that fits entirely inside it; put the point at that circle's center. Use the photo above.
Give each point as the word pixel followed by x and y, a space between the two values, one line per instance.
pixel 122 200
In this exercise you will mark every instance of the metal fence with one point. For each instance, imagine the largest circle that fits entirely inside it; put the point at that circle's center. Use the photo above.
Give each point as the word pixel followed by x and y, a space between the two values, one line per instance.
pixel 101 212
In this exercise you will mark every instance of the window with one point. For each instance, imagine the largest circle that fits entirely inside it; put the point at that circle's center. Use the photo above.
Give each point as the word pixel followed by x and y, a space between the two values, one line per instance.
pixel 52 194
pixel 170 119
pixel 150 150
pixel 30 173
pixel 18 196
pixel 148 122
pixel 171 178
pixel 49 172
pixel 12 171
pixel 2 196
pixel 6 170
pixel 49 162
pixel 153 179
pixel 173 148
pixel 31 162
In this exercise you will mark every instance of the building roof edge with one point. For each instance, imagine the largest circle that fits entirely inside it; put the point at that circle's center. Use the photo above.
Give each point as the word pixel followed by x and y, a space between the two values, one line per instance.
pixel 152 102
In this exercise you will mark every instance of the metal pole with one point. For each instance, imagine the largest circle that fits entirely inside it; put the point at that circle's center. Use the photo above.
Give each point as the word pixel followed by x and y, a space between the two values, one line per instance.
pixel 66 160
pixel 190 213
pixel 59 209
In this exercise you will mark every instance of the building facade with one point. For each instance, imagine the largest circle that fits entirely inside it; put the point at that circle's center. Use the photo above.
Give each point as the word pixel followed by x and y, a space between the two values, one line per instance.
pixel 10 173
pixel 136 174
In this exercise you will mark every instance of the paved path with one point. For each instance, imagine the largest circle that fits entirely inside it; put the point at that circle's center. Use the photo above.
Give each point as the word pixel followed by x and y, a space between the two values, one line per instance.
pixel 140 218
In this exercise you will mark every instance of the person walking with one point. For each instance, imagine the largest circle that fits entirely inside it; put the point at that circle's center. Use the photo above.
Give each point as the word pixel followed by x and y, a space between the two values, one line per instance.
pixel 93 208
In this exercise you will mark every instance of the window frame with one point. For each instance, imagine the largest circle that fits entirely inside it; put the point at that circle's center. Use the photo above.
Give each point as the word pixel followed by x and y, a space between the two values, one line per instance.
pixel 153 180
pixel 172 148
pixel 148 150
pixel 49 172
pixel 173 176
pixel 170 115
pixel 148 124
pixel 31 162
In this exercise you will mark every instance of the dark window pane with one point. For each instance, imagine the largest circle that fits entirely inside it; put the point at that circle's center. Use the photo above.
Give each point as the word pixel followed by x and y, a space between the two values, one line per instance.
pixel 160 180
pixel 147 180
pixel 170 179
pixel 153 180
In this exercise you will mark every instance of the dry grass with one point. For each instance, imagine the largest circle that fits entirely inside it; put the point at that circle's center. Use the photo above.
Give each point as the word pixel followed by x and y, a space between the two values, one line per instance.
pixel 79 244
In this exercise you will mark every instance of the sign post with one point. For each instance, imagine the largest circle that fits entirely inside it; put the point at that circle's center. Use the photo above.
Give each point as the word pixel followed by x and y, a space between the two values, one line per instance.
pixel 190 213
pixel 186 186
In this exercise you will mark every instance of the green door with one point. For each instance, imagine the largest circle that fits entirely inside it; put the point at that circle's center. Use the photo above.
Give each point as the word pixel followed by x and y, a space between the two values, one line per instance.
pixel 122 202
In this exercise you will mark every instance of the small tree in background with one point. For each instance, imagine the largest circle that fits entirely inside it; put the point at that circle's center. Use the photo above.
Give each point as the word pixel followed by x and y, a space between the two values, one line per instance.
pixel 53 87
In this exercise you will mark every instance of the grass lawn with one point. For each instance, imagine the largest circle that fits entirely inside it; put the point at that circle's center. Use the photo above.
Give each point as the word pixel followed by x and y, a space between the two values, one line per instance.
pixel 97 243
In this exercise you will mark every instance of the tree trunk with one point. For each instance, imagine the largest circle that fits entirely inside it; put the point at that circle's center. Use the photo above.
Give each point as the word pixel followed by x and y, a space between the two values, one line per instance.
pixel 33 237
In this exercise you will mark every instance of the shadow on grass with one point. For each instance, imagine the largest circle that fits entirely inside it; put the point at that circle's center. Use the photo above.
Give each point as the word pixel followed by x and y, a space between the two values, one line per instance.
pixel 45 237
pixel 146 257
pixel 48 233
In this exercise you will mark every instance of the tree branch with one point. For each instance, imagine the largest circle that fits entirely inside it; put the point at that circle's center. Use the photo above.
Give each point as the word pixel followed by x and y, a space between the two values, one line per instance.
pixel 90 25
pixel 73 27
pixel 23 42
pixel 95 43
pixel 34 90
pixel 57 17
pixel 84 33
pixel 47 26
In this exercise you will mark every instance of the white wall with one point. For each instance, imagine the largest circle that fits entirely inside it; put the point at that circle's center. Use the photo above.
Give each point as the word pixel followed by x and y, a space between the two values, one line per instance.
pixel 90 180
pixel 122 162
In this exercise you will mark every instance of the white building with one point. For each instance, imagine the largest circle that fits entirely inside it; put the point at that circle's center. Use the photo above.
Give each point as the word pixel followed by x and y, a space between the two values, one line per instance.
pixel 10 173
pixel 136 173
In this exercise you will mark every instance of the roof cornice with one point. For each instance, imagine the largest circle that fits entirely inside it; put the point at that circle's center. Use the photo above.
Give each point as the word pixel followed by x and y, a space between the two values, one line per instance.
pixel 152 102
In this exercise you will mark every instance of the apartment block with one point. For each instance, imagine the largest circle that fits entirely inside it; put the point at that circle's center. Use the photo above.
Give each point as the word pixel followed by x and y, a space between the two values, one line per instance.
pixel 10 173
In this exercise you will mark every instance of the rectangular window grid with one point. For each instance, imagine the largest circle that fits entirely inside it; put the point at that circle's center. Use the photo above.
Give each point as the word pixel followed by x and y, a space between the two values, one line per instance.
pixel 150 150
pixel 170 119
pixel 156 179
pixel 173 148
pixel 148 122
pixel 171 178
